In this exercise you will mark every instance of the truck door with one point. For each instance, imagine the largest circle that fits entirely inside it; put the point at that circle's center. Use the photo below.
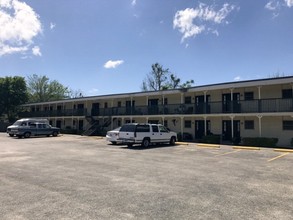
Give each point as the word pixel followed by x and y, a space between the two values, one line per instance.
pixel 156 135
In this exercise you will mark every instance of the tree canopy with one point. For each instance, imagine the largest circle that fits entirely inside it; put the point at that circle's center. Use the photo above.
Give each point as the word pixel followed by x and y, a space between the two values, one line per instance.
pixel 162 79
pixel 41 89
pixel 13 93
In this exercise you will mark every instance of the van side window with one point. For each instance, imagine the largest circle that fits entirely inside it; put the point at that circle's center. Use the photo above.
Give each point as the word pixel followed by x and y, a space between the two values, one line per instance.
pixel 155 128
pixel 142 128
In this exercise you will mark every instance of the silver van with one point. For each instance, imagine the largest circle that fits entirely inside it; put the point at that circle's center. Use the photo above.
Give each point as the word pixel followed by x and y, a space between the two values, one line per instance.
pixel 25 122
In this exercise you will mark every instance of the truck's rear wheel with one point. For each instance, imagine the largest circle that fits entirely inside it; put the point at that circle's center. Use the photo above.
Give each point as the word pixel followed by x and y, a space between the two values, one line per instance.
pixel 145 142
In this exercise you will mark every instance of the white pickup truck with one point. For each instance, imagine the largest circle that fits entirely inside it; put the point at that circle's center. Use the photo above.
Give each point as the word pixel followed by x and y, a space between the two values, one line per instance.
pixel 146 134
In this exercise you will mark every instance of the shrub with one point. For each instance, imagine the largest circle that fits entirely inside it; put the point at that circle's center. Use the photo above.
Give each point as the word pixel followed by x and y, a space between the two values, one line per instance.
pixel 260 141
pixel 212 139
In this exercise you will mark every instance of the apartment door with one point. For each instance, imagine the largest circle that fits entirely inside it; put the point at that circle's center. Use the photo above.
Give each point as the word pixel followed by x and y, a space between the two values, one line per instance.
pixel 227 129
pixel 153 106
pixel 95 109
pixel 229 105
pixel 80 125
pixel 129 107
pixel 200 106
pixel 200 128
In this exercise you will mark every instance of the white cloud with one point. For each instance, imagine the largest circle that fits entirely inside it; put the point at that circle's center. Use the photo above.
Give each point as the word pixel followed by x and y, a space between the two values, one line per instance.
pixel 237 78
pixel 276 5
pixel 193 21
pixel 36 51
pixel 289 3
pixel 113 64
pixel 133 2
pixel 93 91
pixel 52 26
pixel 19 26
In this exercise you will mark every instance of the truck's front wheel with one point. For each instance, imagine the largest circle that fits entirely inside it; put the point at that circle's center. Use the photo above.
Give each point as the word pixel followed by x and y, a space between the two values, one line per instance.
pixel 145 142
pixel 172 141
pixel 27 134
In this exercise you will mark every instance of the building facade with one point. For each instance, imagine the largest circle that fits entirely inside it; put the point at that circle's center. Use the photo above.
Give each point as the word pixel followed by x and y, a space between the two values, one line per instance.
pixel 254 108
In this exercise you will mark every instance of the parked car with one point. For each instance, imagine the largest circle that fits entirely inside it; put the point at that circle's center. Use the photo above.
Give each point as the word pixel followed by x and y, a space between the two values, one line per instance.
pixel 146 134
pixel 35 129
pixel 112 136
pixel 24 122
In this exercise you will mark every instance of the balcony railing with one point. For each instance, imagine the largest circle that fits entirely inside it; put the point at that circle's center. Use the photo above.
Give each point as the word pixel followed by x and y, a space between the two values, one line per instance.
pixel 250 106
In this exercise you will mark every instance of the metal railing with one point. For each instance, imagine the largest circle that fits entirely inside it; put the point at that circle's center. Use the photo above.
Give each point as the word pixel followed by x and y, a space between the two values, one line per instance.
pixel 243 106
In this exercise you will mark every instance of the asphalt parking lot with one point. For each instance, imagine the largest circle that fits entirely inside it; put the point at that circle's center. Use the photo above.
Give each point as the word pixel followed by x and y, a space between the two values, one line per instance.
pixel 76 177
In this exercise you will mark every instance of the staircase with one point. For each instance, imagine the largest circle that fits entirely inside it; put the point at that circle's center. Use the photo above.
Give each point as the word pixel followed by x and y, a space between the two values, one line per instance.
pixel 94 128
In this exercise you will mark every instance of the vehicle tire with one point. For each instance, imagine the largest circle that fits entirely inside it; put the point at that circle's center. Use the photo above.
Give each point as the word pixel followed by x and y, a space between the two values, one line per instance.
pixel 27 134
pixel 172 141
pixel 55 133
pixel 114 142
pixel 145 142
pixel 129 145
pixel 11 135
pixel 19 136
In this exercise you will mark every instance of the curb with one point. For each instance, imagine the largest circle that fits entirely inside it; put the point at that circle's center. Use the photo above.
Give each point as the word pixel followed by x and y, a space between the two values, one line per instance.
pixel 246 148
pixel 284 150
pixel 182 143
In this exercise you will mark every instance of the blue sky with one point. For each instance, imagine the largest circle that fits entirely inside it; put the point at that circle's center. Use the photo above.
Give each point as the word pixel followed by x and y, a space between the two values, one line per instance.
pixel 108 46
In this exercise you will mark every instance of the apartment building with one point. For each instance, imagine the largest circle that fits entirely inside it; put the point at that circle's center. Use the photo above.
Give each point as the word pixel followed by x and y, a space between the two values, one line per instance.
pixel 254 108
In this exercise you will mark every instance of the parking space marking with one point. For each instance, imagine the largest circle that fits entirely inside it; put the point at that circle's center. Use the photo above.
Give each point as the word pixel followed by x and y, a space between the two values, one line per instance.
pixel 282 155
pixel 230 152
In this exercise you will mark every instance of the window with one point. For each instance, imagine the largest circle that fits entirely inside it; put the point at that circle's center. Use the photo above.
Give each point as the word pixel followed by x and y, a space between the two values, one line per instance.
pixel 248 96
pixel 287 93
pixel 166 123
pixel 142 128
pixel 105 105
pixel 187 100
pixel 288 125
pixel 119 104
pixel 187 124
pixel 249 124
pixel 163 129
pixel 165 101
pixel 155 128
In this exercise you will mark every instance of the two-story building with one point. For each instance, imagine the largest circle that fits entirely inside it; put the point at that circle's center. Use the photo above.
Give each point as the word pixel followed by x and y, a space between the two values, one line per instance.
pixel 254 108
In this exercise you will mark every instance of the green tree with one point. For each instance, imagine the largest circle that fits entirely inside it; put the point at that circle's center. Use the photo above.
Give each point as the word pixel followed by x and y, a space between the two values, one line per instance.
pixel 41 89
pixel 13 93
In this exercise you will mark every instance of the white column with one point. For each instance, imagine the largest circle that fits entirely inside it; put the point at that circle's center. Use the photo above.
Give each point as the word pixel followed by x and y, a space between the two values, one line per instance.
pixel 205 126
pixel 181 126
pixel 259 125
pixel 232 126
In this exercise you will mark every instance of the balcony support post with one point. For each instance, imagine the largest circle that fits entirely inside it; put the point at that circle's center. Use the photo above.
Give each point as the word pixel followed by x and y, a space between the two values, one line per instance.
pixel 232 126
pixel 205 126
pixel 181 125
pixel 259 125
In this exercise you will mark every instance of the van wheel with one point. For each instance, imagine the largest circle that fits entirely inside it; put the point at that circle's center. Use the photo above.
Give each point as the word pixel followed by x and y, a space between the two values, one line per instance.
pixel 11 135
pixel 27 134
pixel 172 141
pixel 129 145
pixel 145 142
